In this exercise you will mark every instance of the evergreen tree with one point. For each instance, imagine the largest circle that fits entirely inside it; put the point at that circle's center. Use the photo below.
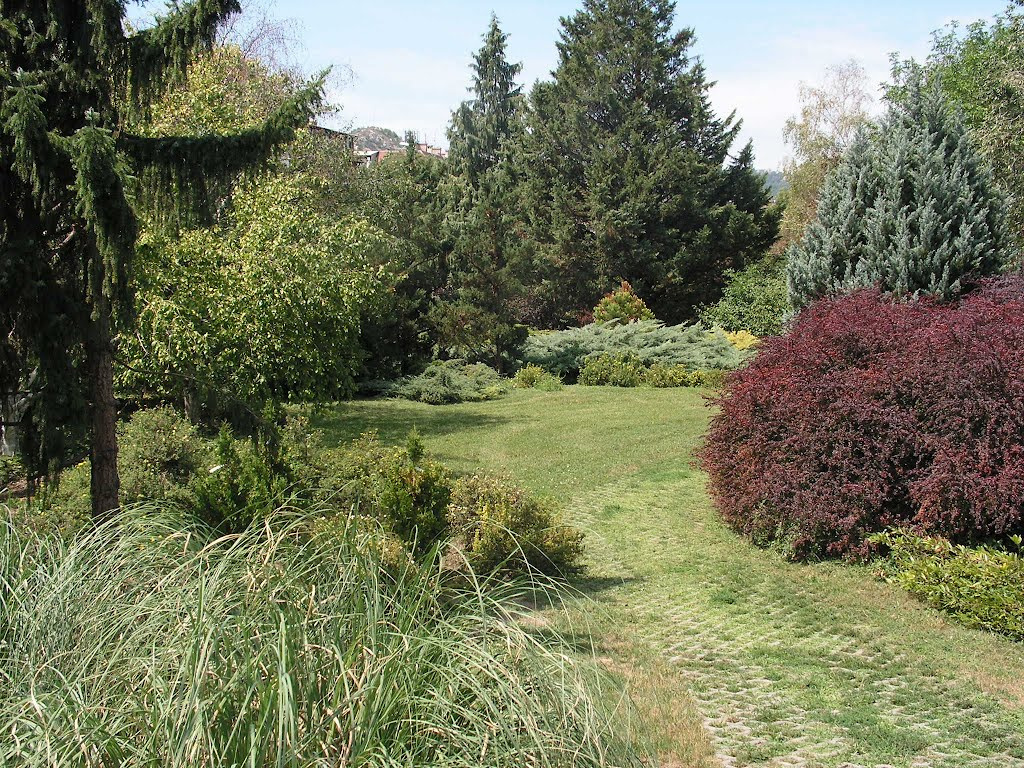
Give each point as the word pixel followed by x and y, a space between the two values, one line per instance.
pixel 478 317
pixel 630 172
pixel 912 208
pixel 71 80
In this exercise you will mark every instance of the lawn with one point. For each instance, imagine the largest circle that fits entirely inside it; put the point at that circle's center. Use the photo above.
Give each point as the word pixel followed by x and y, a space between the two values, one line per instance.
pixel 735 656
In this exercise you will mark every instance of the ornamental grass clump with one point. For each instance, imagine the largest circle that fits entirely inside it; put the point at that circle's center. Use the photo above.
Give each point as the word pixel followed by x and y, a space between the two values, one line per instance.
pixel 872 413
pixel 149 642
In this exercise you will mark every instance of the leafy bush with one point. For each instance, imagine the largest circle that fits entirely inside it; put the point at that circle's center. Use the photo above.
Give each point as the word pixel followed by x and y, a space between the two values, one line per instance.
pixel 742 340
pixel 406 493
pixel 662 376
pixel 871 414
pixel 502 528
pixel 11 470
pixel 564 352
pixel 982 587
pixel 452 381
pixel 532 376
pixel 614 369
pixel 160 452
pixel 147 642
pixel 754 300
pixel 622 305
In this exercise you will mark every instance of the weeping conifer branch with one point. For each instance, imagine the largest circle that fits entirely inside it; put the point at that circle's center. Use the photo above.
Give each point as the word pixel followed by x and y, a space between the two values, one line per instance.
pixel 158 58
pixel 184 176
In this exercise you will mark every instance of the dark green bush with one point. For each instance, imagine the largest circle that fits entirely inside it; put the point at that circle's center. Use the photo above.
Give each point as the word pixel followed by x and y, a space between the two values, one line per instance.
pixel 501 527
pixel 10 471
pixel 452 381
pixel 160 452
pixel 405 492
pixel 613 369
pixel 982 587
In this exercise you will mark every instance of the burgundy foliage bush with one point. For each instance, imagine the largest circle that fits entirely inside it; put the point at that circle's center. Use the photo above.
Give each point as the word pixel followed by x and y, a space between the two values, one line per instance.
pixel 871 413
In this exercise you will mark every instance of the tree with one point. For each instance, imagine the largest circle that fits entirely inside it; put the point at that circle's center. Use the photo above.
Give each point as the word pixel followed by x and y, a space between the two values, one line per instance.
pixel 477 317
pixel 630 171
pixel 831 114
pixel 71 80
pixel 982 71
pixel 912 208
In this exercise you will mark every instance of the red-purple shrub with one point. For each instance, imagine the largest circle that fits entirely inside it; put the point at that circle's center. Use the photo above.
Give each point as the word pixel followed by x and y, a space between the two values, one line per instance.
pixel 871 413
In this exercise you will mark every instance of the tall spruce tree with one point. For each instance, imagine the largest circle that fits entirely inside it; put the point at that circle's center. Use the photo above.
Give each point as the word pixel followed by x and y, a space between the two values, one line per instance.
pixel 911 208
pixel 630 170
pixel 71 80
pixel 478 317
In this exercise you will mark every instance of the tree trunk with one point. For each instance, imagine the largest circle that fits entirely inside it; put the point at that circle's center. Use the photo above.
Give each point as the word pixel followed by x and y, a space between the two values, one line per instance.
pixel 106 484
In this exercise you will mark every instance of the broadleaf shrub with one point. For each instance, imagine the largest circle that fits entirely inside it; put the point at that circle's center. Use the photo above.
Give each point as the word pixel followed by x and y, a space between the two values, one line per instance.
pixel 872 413
pixel 504 528
pixel 982 587
pixel 613 369
pixel 532 376
pixel 563 352
pixel 622 305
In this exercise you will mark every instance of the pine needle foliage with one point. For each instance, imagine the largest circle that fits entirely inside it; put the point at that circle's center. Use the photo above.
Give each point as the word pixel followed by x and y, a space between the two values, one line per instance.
pixel 912 208
pixel 564 353
pixel 72 80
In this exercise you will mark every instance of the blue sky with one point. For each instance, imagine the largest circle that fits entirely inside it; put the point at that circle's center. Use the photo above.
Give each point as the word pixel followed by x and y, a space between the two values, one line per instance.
pixel 404 64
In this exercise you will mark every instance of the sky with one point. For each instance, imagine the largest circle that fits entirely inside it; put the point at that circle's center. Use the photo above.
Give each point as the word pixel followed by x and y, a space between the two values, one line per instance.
pixel 404 64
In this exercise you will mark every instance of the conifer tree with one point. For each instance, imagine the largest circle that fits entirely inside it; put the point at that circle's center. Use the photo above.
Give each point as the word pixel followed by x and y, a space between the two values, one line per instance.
pixel 631 175
pixel 911 208
pixel 71 79
pixel 485 268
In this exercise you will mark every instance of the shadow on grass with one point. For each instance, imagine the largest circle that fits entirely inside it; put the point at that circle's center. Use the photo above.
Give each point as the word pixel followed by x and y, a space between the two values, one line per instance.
pixel 344 422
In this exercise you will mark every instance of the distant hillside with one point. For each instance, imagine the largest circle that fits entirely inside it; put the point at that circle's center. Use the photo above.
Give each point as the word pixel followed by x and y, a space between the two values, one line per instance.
pixel 776 181
pixel 372 138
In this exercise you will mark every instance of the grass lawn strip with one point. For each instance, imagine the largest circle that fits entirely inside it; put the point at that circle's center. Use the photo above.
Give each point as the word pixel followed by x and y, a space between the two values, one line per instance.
pixel 783 664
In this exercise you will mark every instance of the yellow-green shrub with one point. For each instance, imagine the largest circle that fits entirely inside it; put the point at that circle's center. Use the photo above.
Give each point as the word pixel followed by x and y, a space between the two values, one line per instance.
pixel 742 340
pixel 532 376
pixel 501 527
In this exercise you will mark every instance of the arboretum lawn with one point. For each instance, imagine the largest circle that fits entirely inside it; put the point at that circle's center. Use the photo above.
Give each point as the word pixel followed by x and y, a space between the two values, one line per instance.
pixel 734 656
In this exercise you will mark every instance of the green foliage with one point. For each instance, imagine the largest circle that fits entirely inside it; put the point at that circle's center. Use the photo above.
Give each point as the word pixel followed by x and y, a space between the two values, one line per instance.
pixel 912 208
pixel 532 376
pixel 451 381
pixel 623 305
pixel 981 70
pixel 403 492
pixel 613 369
pixel 160 453
pixel 981 586
pixel 11 470
pixel 630 173
pixel 476 315
pixel 68 223
pixel 268 307
pixel 563 352
pixel 754 300
pixel 503 528
pixel 150 641
pixel 626 369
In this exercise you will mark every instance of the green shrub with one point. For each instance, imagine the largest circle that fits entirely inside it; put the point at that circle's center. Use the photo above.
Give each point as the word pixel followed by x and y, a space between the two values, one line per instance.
pixel 452 381
pixel 501 527
pixel 754 300
pixel 662 376
pixel 532 376
pixel 11 471
pixel 160 452
pixel 613 369
pixel 406 493
pixel 563 352
pixel 148 642
pixel 712 379
pixel 982 587
pixel 622 305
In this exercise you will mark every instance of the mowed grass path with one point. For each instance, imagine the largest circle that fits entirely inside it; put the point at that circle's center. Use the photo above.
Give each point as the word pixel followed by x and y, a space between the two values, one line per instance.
pixel 735 656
